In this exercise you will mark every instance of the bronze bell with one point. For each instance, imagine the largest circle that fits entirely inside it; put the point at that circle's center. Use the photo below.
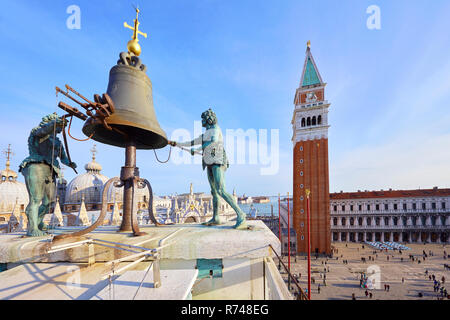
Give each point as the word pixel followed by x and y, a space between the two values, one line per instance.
pixel 134 117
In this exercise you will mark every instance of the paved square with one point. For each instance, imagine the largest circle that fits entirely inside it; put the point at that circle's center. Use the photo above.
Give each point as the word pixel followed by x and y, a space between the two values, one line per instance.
pixel 343 280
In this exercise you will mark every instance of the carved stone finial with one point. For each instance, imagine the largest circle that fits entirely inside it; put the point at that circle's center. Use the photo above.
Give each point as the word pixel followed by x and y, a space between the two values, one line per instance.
pixel 94 151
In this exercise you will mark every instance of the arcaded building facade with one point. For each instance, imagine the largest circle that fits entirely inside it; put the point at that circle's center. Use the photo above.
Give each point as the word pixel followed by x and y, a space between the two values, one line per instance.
pixel 412 216
pixel 310 163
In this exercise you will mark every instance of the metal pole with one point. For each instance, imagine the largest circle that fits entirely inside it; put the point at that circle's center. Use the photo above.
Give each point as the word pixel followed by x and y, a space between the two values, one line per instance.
pixel 279 223
pixel 289 234
pixel 309 242
pixel 127 174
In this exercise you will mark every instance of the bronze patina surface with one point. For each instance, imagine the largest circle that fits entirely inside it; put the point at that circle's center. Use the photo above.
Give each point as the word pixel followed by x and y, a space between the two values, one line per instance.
pixel 40 170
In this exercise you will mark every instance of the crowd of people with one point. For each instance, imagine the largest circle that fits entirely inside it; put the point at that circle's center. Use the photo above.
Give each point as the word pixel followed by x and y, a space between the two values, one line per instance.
pixel 438 286
pixel 319 280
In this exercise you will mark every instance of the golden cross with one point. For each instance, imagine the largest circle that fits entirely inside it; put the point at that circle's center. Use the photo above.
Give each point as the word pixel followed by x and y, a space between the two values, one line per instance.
pixel 308 44
pixel 8 153
pixel 135 29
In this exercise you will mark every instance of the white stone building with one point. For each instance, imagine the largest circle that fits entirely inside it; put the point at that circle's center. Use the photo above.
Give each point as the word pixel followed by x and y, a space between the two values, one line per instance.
pixel 193 208
pixel 412 216
pixel 88 185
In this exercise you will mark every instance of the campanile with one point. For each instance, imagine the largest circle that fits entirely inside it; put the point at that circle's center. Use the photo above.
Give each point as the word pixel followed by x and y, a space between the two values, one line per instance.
pixel 310 142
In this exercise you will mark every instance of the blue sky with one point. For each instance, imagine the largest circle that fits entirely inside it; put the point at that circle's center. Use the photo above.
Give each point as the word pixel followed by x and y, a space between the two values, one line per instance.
pixel 389 88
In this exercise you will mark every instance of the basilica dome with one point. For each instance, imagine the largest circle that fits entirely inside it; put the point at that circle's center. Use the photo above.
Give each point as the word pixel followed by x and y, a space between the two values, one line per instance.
pixel 115 193
pixel 11 190
pixel 89 184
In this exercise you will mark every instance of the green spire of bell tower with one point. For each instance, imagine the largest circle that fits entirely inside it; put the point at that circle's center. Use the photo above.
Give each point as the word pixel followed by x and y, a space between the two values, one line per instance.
pixel 310 74
pixel 310 78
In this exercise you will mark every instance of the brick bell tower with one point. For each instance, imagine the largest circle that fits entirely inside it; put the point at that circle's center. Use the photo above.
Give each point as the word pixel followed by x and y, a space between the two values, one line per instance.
pixel 310 141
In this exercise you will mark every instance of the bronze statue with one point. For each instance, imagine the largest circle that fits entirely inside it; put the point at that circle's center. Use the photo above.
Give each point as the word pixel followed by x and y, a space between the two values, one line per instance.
pixel 215 160
pixel 41 168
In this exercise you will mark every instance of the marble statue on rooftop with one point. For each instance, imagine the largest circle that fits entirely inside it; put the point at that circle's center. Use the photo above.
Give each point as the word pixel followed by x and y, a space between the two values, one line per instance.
pixel 214 159
pixel 41 168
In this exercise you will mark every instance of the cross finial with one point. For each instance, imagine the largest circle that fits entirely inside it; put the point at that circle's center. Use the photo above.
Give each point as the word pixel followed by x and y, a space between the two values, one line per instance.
pixel 133 45
pixel 8 153
pixel 308 44
pixel 94 151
